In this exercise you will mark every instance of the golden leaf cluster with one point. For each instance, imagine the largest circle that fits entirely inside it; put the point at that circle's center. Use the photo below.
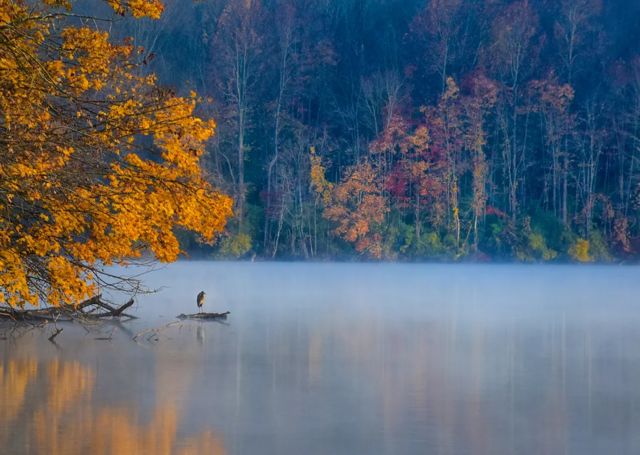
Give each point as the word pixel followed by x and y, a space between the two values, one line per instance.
pixel 98 164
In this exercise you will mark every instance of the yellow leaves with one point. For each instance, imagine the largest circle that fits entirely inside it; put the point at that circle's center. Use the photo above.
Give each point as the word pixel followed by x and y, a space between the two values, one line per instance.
pixel 67 282
pixel 88 59
pixel 23 170
pixel 65 151
pixel 319 183
pixel 145 124
pixel 89 48
pixel 11 10
pixel 180 134
pixel 148 8
pixel 82 82
pixel 7 65
pixel 73 195
pixel 579 251
pixel 138 8
pixel 5 18
pixel 14 286
pixel 123 110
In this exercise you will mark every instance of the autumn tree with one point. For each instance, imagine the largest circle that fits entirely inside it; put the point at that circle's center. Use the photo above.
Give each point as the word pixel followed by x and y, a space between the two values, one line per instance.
pixel 358 208
pixel 99 165
pixel 414 174
pixel 501 161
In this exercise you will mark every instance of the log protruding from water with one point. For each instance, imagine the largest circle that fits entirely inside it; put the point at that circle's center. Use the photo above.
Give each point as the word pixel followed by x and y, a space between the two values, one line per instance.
pixel 91 309
pixel 204 316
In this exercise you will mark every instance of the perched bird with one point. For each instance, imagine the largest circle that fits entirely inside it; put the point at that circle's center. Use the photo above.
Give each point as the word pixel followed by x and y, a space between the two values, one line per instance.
pixel 200 299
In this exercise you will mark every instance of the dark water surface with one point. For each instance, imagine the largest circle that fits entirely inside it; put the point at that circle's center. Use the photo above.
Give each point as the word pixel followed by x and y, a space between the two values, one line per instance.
pixel 341 359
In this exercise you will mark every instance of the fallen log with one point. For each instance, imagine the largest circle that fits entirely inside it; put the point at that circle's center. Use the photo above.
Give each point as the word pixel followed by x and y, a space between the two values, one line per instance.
pixel 204 316
pixel 82 312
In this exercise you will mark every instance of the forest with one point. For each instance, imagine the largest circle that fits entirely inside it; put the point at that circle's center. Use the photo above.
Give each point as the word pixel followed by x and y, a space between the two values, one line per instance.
pixel 413 129
pixel 408 129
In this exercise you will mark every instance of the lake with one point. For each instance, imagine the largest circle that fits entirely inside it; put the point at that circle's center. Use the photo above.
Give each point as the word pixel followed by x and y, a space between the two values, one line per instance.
pixel 340 359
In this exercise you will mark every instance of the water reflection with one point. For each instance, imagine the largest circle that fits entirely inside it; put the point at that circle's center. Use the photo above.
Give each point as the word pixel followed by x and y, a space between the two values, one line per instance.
pixel 51 408
pixel 344 360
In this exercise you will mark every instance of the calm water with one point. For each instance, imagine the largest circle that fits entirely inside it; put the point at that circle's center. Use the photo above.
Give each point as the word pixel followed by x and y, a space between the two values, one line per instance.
pixel 341 359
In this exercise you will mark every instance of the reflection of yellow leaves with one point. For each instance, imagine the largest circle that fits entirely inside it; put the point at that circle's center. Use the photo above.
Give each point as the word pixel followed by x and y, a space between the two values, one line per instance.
pixel 67 421
pixel 15 376
pixel 60 395
pixel 120 433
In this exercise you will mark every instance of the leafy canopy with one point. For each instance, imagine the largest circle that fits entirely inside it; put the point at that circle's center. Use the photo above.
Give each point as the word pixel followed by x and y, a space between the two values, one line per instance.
pixel 98 165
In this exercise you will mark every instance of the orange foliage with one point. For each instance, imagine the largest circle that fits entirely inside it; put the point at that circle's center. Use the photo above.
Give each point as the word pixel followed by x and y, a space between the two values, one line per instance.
pixel 359 207
pixel 98 164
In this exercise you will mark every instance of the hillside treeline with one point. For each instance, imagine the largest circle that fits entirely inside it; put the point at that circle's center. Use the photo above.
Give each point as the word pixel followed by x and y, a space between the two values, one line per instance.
pixel 412 129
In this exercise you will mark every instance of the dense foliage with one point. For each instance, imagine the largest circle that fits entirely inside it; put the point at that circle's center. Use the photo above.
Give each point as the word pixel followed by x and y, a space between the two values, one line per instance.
pixel 98 165
pixel 417 128
pixel 412 129
pixel 422 128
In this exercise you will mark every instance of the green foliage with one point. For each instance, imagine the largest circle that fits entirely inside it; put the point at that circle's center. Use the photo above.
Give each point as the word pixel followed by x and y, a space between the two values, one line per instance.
pixel 598 248
pixel 235 246
pixel 533 248
pixel 528 241
pixel 400 241
pixel 497 238
pixel 430 245
pixel 538 249
pixel 556 235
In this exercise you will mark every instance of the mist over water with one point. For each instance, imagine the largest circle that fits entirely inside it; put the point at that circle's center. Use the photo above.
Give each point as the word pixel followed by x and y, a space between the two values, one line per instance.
pixel 341 359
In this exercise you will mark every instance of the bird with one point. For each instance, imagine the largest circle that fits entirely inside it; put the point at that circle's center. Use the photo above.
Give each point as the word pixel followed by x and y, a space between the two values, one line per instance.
pixel 200 300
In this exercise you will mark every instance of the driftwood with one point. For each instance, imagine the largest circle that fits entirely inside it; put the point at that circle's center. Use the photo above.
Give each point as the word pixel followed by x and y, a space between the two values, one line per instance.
pixel 90 310
pixel 204 316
